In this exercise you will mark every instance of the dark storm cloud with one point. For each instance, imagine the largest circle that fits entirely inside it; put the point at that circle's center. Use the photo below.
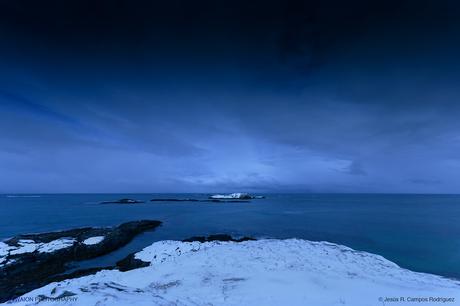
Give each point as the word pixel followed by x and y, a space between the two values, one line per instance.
pixel 345 96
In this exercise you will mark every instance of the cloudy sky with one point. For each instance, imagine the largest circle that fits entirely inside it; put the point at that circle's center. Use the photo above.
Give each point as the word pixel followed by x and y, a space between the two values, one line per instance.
pixel 207 96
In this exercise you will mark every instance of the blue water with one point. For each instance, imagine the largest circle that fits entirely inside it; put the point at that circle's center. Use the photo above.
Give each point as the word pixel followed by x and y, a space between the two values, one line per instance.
pixel 418 232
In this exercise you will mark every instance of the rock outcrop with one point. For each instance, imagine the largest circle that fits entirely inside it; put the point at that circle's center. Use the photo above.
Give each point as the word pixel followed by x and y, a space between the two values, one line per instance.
pixel 34 260
pixel 224 200
pixel 238 195
pixel 123 201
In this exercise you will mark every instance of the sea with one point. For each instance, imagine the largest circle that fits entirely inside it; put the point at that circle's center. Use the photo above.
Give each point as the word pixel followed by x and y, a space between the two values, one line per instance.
pixel 417 232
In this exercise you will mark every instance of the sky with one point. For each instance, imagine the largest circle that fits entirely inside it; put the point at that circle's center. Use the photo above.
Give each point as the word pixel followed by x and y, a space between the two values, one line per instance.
pixel 229 96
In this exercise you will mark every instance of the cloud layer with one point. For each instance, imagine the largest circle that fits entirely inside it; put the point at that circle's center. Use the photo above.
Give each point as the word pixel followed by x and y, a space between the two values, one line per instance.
pixel 270 96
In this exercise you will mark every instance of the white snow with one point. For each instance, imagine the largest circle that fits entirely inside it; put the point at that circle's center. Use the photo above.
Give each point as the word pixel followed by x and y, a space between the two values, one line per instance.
pixel 4 251
pixel 263 272
pixel 93 240
pixel 29 246
pixel 56 245
pixel 26 246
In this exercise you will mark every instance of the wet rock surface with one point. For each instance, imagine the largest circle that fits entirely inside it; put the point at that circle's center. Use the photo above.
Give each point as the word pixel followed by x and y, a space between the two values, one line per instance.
pixel 123 201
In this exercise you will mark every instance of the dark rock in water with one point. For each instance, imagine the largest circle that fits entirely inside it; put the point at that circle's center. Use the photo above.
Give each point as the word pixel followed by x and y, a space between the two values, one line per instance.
pixel 235 196
pixel 201 200
pixel 123 201
pixel 130 263
pixel 217 237
pixel 226 201
pixel 245 197
pixel 23 270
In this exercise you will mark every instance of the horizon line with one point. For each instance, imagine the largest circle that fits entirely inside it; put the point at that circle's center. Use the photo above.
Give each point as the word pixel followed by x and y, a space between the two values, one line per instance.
pixel 268 192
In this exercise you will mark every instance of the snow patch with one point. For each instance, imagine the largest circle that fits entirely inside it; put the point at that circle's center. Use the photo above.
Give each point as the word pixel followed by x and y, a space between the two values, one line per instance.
pixel 93 240
pixel 25 246
pixel 262 272
pixel 4 252
pixel 56 245
pixel 30 246
pixel 168 249
pixel 4 249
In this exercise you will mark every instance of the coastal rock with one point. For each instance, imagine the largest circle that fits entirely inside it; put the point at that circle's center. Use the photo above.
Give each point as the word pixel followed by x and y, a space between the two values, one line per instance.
pixel 239 195
pixel 123 201
pixel 130 262
pixel 33 260
pixel 224 200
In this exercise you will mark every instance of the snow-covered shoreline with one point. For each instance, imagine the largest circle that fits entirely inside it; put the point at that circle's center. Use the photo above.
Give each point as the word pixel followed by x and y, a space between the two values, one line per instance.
pixel 262 272
pixel 31 261
pixel 30 246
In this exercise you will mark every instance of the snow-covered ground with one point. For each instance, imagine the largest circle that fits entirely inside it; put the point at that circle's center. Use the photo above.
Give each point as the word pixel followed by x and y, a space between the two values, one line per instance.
pixel 263 272
pixel 29 246
pixel 93 240
pixel 4 251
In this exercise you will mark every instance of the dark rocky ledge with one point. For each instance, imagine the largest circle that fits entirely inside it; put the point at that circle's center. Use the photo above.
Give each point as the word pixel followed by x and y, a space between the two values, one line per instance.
pixel 123 201
pixel 130 262
pixel 26 271
pixel 201 200
pixel 226 201
pixel 236 196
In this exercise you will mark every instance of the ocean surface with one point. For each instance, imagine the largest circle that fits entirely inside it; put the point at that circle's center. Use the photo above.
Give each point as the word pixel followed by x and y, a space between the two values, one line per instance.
pixel 418 232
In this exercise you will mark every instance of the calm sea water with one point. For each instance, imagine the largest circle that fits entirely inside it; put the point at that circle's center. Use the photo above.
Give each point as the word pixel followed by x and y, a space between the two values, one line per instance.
pixel 418 232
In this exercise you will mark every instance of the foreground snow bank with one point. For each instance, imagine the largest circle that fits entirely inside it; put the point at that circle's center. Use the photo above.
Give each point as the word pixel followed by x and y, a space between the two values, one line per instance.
pixel 263 272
